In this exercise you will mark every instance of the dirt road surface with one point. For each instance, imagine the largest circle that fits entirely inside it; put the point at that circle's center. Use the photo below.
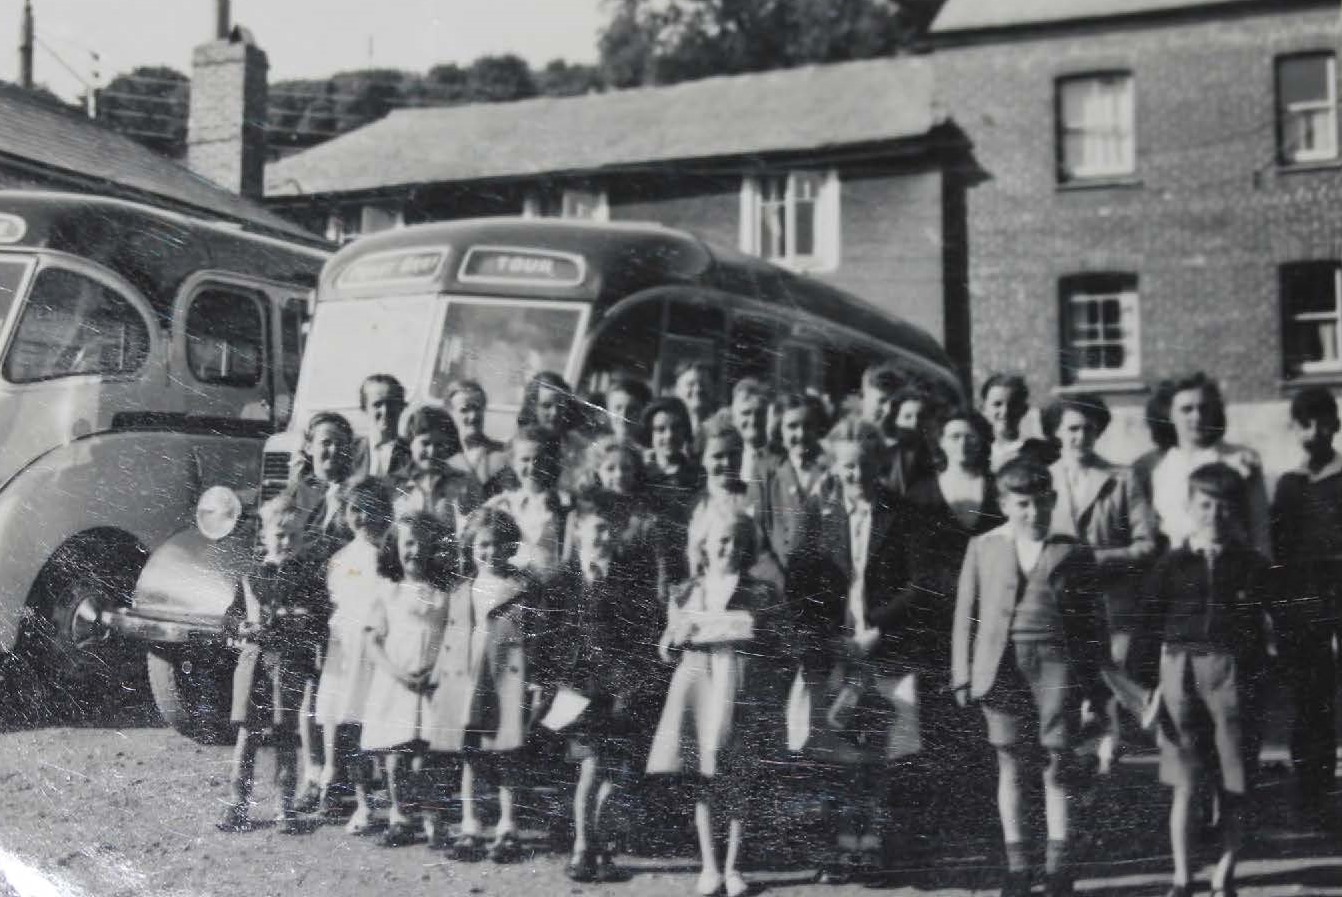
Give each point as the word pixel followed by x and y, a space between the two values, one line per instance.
pixel 126 807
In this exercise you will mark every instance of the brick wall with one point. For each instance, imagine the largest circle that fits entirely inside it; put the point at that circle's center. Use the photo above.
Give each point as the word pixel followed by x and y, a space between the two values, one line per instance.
pixel 891 233
pixel 1207 221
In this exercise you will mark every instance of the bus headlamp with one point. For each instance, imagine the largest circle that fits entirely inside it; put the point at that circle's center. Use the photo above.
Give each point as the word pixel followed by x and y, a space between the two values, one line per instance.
pixel 218 512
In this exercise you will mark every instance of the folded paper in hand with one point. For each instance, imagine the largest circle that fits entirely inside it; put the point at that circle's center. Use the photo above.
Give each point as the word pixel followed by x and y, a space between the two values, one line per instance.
pixel 712 627
pixel 568 705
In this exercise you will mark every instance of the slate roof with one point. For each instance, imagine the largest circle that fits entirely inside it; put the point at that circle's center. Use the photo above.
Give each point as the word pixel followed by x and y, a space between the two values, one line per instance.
pixel 974 15
pixel 71 148
pixel 806 108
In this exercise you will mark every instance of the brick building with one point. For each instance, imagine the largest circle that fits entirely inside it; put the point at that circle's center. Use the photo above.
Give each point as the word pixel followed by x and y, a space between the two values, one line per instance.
pixel 845 172
pixel 1158 191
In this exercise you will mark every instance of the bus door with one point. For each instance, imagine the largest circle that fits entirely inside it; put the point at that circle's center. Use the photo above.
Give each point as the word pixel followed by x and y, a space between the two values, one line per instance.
pixel 224 349
pixel 80 348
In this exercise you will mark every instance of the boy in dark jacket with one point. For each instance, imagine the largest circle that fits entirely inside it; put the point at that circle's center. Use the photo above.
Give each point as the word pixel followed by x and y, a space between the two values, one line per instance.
pixel 279 614
pixel 1207 605
pixel 1307 543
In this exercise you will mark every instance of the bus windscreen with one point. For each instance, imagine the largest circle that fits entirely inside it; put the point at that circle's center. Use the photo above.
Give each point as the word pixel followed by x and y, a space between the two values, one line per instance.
pixel 502 344
pixel 351 340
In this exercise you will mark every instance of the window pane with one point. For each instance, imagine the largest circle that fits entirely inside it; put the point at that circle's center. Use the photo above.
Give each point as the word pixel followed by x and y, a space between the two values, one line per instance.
pixel 804 240
pixel 503 346
pixel 225 338
pixel 1096 125
pixel 11 272
pixel 582 204
pixel 1304 79
pixel 74 325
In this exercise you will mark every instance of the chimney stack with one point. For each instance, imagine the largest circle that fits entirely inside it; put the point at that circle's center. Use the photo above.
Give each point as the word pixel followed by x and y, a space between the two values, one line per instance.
pixel 26 46
pixel 226 131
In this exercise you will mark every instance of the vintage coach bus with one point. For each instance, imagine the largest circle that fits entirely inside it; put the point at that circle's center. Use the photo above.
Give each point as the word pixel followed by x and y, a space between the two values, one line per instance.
pixel 143 356
pixel 498 300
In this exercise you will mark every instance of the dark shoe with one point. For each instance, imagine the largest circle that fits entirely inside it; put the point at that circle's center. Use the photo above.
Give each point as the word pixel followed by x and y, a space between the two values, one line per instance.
pixel 234 819
pixel 505 849
pixel 308 802
pixel 1226 890
pixel 1180 891
pixel 1016 884
pixel 399 834
pixel 606 870
pixel 468 848
pixel 286 823
pixel 1059 885
pixel 582 868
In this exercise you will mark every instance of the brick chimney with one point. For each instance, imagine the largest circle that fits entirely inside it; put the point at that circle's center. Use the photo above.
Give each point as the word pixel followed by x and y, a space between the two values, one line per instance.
pixel 226 132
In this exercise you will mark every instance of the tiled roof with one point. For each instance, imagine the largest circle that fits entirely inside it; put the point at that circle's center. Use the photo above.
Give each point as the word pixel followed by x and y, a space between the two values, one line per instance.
pixel 67 145
pixel 795 109
pixel 973 15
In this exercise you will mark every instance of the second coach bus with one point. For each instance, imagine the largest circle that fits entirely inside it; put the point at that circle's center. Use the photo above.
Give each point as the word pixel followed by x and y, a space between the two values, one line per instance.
pixel 497 301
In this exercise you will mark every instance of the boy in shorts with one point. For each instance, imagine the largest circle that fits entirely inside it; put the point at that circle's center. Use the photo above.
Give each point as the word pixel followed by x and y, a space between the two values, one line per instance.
pixel 1026 647
pixel 1208 603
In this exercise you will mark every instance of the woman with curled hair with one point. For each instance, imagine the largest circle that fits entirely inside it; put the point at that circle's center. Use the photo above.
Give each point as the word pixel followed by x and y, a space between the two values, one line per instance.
pixel 1100 504
pixel 550 403
pixel 1197 414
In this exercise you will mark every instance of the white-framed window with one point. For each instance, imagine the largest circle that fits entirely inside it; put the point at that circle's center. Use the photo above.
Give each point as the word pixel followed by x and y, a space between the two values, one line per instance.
pixel 792 218
pixel 571 202
pixel 1097 126
pixel 1101 333
pixel 1311 304
pixel 348 222
pixel 1307 107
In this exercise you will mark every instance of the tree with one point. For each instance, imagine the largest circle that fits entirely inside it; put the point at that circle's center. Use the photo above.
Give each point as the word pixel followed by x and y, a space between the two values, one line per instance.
pixel 664 41
pixel 566 79
pixel 494 79
pixel 150 104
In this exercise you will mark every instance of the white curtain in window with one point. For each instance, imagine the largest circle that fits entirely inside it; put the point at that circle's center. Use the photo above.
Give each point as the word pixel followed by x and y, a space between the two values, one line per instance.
pixel 1098 126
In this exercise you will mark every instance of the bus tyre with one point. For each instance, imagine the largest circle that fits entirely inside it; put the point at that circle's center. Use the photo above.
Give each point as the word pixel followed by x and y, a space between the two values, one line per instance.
pixel 87 670
pixel 193 696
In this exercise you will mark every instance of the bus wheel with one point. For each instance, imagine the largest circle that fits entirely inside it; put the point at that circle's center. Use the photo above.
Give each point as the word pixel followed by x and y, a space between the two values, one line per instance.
pixel 193 695
pixel 84 665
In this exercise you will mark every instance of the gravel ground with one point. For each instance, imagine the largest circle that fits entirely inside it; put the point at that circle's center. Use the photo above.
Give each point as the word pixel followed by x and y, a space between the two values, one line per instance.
pixel 123 806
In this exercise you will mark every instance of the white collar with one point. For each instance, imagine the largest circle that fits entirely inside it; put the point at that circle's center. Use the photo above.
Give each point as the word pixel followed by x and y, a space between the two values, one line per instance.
pixel 1332 468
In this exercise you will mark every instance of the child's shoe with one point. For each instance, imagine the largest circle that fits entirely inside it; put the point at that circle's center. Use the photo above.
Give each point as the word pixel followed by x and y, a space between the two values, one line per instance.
pixel 399 833
pixel 505 849
pixel 708 883
pixel 234 818
pixel 582 867
pixel 468 847
pixel 286 822
pixel 735 884
pixel 1058 885
pixel 361 823
pixel 1016 884
pixel 309 800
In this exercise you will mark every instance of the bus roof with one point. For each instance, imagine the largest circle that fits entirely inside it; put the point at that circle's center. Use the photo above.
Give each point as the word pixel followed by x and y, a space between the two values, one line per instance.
pixel 153 248
pixel 605 263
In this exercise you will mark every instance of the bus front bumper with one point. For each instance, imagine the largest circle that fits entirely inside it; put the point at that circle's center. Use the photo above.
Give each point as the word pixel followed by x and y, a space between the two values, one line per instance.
pixel 127 623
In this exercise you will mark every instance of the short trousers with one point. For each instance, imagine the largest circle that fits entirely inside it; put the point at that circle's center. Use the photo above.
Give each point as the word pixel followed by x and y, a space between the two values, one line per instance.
pixel 1208 699
pixel 1035 697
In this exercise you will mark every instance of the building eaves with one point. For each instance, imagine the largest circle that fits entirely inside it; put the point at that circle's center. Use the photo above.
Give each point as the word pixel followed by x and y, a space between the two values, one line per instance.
pixel 793 110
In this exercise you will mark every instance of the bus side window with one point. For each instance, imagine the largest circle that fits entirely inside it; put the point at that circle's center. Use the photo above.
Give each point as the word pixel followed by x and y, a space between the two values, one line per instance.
pixel 73 325
pixel 801 368
pixel 628 347
pixel 753 349
pixel 293 315
pixel 694 332
pixel 225 337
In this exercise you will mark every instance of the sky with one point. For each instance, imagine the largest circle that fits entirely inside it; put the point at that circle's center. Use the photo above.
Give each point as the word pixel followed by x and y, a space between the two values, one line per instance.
pixel 302 38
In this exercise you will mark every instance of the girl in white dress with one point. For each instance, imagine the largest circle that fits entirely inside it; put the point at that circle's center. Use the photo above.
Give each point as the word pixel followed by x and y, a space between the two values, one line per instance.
pixel 347 670
pixel 405 629
pixel 537 504
pixel 709 725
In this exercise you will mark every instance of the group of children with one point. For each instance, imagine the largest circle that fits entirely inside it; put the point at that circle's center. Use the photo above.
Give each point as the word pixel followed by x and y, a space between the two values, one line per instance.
pixel 690 591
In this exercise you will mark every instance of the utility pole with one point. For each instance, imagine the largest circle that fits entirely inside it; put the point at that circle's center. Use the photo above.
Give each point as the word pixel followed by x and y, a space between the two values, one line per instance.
pixel 26 47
